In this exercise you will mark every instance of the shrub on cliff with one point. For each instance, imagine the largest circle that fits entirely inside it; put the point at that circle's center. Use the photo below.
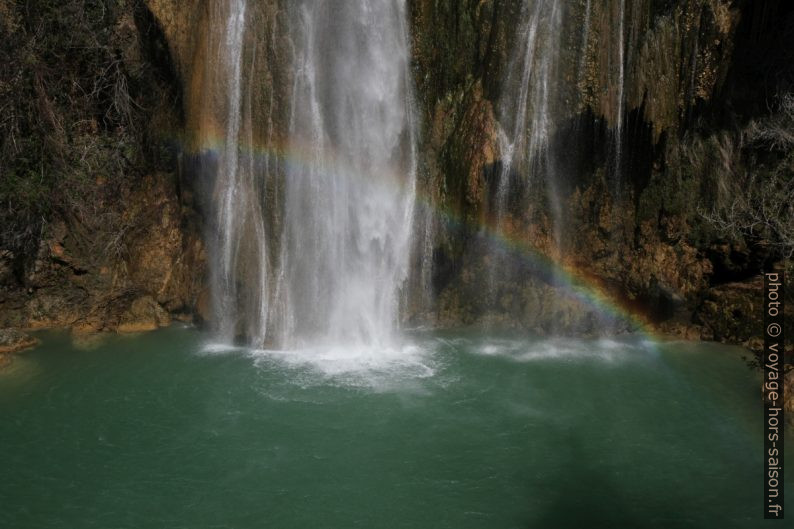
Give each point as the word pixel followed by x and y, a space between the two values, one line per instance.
pixel 75 94
pixel 754 181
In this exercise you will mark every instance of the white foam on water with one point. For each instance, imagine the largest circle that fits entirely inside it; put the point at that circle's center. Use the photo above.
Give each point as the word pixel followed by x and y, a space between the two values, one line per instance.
pixel 218 348
pixel 352 365
pixel 610 351
pixel 410 365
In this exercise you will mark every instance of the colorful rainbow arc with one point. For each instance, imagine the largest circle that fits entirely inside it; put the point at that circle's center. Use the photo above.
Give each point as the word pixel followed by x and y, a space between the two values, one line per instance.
pixel 576 283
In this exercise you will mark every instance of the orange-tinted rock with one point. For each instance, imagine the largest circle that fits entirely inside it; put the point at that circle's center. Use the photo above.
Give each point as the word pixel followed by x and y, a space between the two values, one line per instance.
pixel 12 341
pixel 203 308
pixel 144 314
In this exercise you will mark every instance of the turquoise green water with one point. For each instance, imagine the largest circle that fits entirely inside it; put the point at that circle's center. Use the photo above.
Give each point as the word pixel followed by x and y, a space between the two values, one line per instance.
pixel 162 431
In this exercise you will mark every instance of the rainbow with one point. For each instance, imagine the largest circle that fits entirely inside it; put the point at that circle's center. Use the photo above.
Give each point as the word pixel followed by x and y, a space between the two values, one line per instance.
pixel 577 283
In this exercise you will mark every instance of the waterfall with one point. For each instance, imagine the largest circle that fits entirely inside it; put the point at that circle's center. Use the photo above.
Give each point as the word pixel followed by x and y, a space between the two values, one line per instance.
pixel 350 186
pixel 324 259
pixel 527 106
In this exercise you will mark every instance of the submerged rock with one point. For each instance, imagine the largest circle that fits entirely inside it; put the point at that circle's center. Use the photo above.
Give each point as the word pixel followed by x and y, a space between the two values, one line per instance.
pixel 12 341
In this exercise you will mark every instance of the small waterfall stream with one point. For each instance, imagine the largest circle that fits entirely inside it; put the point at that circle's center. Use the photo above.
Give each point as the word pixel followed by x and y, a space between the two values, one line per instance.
pixel 620 104
pixel 527 112
pixel 537 99
pixel 239 241
pixel 527 116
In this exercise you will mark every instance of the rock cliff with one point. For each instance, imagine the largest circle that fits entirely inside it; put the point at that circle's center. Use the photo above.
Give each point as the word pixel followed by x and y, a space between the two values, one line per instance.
pixel 98 231
pixel 664 113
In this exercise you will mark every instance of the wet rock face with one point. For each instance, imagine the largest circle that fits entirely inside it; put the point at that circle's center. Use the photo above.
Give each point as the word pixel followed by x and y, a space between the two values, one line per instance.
pixel 635 227
pixel 155 258
pixel 178 20
pixel 143 314
pixel 460 50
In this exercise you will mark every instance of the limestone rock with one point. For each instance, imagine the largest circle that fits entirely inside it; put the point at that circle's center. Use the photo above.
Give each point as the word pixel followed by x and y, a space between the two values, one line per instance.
pixel 144 314
pixel 12 341
pixel 733 312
